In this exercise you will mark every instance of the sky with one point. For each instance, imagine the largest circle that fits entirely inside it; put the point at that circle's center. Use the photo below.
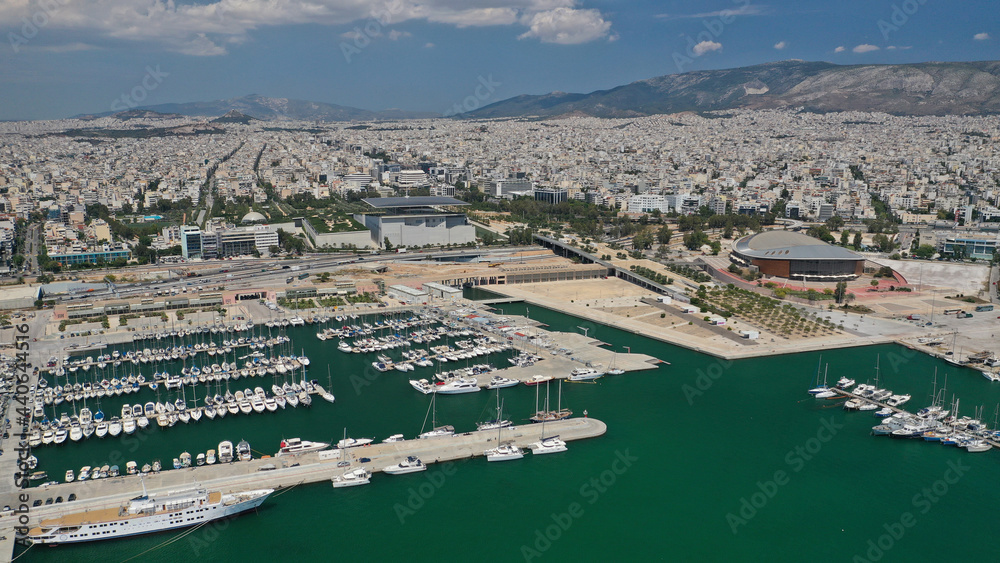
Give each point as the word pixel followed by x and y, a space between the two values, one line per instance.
pixel 67 57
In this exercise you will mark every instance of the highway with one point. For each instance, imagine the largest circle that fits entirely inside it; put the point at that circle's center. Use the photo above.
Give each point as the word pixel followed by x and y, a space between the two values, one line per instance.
pixel 271 272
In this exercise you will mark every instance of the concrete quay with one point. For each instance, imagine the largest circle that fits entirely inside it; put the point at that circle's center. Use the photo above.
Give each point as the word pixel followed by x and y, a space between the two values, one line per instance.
pixel 289 470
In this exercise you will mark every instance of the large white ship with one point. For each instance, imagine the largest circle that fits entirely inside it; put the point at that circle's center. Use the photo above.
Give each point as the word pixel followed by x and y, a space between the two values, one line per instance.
pixel 146 514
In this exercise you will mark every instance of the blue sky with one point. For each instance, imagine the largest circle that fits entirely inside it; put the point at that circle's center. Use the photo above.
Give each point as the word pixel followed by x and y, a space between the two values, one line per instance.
pixel 65 57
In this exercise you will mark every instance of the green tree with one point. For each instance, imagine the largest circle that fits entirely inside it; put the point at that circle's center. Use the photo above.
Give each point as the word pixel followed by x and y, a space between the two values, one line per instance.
pixel 642 240
pixel 856 243
pixel 695 239
pixel 845 238
pixel 663 235
pixel 835 223
pixel 821 232
pixel 840 292
pixel 387 244
pixel 716 247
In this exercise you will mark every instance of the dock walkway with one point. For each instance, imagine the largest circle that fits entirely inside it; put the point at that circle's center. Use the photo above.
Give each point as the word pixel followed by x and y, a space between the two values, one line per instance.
pixel 291 470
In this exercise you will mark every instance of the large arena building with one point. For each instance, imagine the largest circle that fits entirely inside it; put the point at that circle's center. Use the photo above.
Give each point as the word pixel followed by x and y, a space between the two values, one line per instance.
pixel 792 255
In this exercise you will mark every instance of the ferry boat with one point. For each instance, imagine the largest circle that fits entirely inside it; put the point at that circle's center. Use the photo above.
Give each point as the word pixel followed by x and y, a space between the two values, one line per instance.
pixel 146 514
pixel 299 446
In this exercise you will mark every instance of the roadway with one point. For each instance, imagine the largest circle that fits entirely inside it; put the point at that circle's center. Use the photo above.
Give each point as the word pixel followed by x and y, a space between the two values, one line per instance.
pixel 259 272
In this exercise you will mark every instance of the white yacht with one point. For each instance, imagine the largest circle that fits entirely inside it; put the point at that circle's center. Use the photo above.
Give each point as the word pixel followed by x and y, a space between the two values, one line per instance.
pixel 585 374
pixel 439 432
pixel 411 464
pixel 458 386
pixel 499 382
pixel 504 452
pixel 298 446
pixel 354 442
pixel 146 514
pixel 550 445
pixel 352 478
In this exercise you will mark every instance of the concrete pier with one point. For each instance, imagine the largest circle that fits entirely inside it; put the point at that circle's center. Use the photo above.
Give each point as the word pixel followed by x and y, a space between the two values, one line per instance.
pixel 288 470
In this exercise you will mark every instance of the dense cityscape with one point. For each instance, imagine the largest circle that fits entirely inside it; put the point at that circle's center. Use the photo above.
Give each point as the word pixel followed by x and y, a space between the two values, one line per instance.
pixel 520 280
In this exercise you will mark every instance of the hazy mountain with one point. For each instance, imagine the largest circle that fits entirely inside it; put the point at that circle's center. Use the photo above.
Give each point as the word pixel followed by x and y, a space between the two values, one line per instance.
pixel 911 89
pixel 233 116
pixel 264 108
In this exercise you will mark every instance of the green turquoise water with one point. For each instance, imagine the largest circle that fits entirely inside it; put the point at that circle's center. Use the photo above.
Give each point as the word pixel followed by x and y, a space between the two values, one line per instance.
pixel 658 485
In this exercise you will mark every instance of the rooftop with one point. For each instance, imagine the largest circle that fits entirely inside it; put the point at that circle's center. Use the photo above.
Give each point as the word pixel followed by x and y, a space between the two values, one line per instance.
pixel 788 245
pixel 416 201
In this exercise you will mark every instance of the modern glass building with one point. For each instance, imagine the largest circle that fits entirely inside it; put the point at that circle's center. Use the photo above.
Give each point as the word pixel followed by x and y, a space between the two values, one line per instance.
pixel 968 247
pixel 70 258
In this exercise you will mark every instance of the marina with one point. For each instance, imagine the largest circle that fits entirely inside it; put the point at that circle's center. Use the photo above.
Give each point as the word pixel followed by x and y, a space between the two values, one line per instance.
pixel 635 401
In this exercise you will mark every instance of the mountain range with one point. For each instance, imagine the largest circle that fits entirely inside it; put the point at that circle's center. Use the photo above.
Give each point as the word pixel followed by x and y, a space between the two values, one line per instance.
pixel 963 88
pixel 931 88
pixel 268 109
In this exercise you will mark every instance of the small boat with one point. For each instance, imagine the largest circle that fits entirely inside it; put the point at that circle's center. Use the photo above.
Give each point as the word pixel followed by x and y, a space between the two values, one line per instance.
pixel 69 476
pixel 411 464
pixel 538 380
pixel 243 451
pixel 352 478
pixel 225 451
pixel 200 459
pixel 210 457
pixel 845 382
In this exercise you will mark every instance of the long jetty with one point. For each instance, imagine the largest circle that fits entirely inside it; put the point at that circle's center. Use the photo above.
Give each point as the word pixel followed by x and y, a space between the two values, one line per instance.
pixel 280 472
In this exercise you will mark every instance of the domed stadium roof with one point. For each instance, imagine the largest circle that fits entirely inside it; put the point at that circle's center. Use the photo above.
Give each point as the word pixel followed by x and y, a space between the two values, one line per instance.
pixel 254 217
pixel 789 245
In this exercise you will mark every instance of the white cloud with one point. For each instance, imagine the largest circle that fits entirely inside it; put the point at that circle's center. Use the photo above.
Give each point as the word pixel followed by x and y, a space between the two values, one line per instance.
pixel 865 48
pixel 981 36
pixel 745 10
pixel 62 48
pixel 899 47
pixel 839 49
pixel 705 47
pixel 780 45
pixel 395 35
pixel 207 27
pixel 567 26
pixel 428 45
